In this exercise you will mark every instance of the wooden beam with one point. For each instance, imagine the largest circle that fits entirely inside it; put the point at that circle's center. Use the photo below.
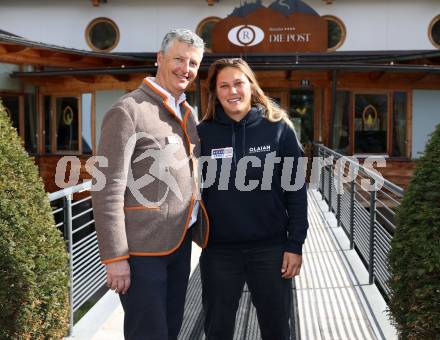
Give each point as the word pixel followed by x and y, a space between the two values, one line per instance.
pixel 376 76
pixel 3 50
pixel 14 48
pixel 85 79
pixel 76 58
pixel 121 77
pixel 426 78
pixel 32 56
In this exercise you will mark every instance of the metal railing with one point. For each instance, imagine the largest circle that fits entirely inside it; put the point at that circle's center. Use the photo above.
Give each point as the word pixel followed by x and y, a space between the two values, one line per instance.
pixel 75 220
pixel 367 216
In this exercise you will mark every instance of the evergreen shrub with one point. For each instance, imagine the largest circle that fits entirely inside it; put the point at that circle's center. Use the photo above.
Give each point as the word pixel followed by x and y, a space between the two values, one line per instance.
pixel 415 251
pixel 33 258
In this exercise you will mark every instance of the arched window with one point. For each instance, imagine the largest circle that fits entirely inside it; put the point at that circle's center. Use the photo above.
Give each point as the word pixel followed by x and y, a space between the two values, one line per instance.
pixel 204 30
pixel 102 35
pixel 336 32
pixel 434 31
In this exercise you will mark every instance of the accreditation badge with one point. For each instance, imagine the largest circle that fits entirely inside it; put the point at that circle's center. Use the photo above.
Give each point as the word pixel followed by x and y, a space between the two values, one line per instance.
pixel 222 153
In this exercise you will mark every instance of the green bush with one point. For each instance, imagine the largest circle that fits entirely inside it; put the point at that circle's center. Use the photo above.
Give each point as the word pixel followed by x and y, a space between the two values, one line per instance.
pixel 415 253
pixel 33 259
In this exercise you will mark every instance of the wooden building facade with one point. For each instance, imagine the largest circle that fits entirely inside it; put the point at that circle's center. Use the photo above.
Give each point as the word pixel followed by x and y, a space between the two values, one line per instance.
pixel 362 102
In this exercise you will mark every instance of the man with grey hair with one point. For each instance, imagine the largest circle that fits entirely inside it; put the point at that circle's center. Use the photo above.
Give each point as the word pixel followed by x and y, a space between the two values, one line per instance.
pixel 146 247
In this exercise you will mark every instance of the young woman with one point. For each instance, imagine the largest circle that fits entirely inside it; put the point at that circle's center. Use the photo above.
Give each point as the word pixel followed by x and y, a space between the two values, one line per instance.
pixel 257 227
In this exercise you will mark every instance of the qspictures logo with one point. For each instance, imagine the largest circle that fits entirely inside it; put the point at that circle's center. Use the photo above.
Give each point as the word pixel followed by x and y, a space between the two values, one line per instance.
pixel 163 159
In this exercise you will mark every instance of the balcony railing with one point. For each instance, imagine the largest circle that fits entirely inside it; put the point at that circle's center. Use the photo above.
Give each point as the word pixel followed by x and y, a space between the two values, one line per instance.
pixel 75 220
pixel 365 207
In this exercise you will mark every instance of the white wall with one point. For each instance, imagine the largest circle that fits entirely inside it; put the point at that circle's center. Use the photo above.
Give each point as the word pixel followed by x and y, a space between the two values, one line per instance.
pixel 384 25
pixel 104 100
pixel 371 25
pixel 426 115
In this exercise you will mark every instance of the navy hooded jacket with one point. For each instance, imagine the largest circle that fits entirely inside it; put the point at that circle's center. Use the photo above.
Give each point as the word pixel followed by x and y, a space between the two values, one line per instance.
pixel 241 211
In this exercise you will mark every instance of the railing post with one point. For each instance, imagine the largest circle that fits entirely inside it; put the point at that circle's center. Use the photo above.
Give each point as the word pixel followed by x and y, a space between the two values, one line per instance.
pixel 321 155
pixel 352 193
pixel 68 232
pixel 330 187
pixel 372 227
pixel 339 192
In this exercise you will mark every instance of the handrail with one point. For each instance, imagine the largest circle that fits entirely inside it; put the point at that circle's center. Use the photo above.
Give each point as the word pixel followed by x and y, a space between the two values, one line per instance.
pixel 86 185
pixel 389 185
pixel 367 217
pixel 77 222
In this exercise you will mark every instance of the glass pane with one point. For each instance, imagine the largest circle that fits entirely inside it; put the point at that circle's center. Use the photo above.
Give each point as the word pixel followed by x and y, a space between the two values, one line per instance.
pixel 103 35
pixel 192 99
pixel 340 136
pixel 47 118
pixel 301 114
pixel 399 124
pixel 436 32
pixel 370 123
pixel 12 107
pixel 67 123
pixel 334 33
pixel 86 100
pixel 30 118
pixel 206 32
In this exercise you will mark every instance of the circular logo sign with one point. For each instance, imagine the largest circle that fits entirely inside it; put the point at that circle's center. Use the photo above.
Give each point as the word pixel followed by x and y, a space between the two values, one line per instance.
pixel 246 35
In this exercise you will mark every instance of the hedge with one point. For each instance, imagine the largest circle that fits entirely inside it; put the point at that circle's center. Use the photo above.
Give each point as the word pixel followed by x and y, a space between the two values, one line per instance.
pixel 33 259
pixel 415 254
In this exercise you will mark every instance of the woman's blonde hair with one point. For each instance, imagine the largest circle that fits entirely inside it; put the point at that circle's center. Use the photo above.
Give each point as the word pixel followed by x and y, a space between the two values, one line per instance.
pixel 272 111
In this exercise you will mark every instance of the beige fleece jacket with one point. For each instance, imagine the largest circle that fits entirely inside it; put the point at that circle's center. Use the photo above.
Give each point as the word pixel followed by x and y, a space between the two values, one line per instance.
pixel 146 204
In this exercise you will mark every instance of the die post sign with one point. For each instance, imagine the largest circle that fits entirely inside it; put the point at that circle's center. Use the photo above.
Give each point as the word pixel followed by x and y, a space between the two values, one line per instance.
pixel 267 30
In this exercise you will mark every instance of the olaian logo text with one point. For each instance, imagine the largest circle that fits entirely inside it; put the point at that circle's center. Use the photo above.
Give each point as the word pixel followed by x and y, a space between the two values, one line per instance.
pixel 246 35
pixel 262 148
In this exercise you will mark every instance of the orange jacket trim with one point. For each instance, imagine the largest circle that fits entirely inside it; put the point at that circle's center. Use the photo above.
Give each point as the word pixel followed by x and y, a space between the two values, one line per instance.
pixel 182 121
pixel 116 259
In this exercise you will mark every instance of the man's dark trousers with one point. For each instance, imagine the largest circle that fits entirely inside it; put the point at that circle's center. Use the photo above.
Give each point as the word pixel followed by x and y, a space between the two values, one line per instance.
pixel 224 272
pixel 154 303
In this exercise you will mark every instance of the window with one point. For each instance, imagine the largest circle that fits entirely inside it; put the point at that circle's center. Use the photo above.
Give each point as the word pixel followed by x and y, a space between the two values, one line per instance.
pixel 341 123
pixel 102 35
pixel 68 124
pixel 434 31
pixel 399 124
pixel 86 119
pixel 301 111
pixel 336 32
pixel 47 119
pixel 12 106
pixel 370 123
pixel 193 99
pixel 204 30
pixel 30 121
pixel 20 107
pixel 380 122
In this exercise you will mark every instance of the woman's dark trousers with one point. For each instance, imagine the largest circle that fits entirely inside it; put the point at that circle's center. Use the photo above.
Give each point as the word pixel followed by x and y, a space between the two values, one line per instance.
pixel 225 271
